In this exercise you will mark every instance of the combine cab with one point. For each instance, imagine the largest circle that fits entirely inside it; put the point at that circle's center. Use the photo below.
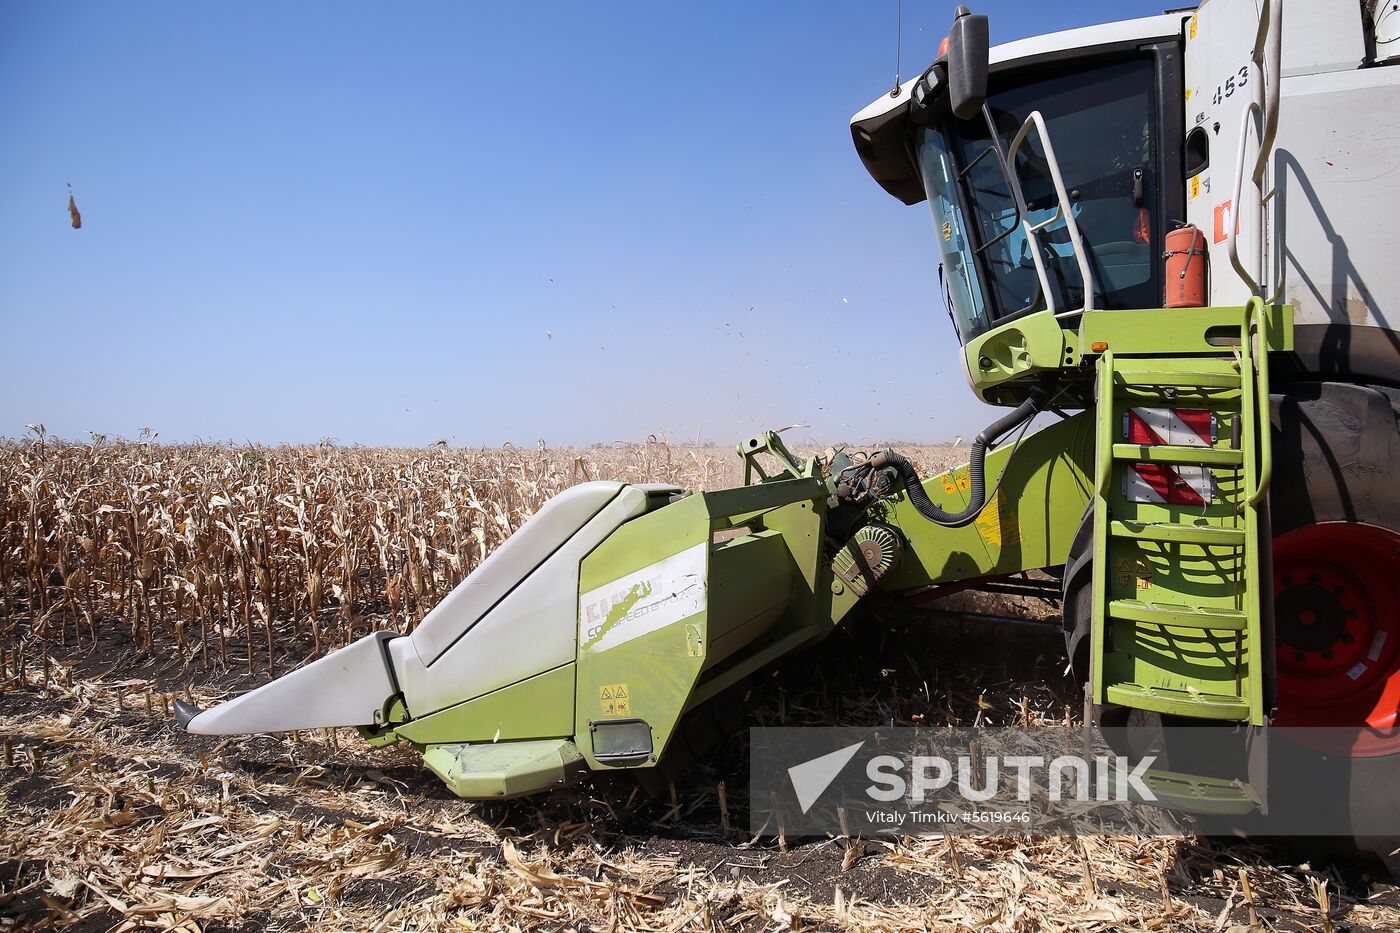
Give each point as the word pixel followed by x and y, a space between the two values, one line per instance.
pixel 1176 233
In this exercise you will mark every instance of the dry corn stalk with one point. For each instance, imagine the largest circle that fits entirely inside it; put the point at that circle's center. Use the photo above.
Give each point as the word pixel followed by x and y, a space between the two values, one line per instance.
pixel 200 551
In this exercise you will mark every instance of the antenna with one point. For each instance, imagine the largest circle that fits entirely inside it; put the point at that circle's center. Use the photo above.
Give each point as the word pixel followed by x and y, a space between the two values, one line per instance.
pixel 898 35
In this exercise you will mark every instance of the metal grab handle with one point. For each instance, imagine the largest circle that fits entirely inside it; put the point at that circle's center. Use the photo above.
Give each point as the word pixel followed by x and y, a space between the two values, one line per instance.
pixel 1268 41
pixel 1264 64
pixel 1062 209
pixel 1234 242
pixel 1256 312
pixel 1103 442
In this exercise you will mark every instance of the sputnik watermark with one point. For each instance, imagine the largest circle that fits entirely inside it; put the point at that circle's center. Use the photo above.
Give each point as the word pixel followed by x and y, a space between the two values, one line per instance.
pixel 1065 777
pixel 821 781
pixel 925 777
pixel 1227 780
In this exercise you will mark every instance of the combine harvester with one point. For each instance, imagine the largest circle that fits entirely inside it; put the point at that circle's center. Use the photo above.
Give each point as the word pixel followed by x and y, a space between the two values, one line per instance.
pixel 1177 234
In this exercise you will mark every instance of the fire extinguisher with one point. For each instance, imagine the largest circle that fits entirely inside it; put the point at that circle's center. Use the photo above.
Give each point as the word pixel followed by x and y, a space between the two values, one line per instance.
pixel 1186 268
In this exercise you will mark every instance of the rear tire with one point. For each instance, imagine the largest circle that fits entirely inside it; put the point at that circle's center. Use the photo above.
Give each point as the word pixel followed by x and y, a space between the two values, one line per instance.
pixel 1335 502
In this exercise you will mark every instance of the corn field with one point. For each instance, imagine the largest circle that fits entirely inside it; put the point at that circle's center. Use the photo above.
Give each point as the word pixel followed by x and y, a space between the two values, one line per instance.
pixel 266 553
pixel 213 558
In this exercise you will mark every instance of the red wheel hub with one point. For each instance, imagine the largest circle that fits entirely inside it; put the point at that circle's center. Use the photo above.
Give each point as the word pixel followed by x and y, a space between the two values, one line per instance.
pixel 1337 624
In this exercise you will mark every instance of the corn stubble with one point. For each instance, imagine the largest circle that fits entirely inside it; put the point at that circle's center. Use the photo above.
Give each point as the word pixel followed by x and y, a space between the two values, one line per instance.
pixel 205 553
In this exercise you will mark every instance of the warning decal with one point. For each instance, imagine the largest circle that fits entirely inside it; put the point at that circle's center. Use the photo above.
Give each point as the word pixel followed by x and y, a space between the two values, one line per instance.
pixel 614 700
pixel 1135 573
pixel 645 600
pixel 998 523
pixel 956 482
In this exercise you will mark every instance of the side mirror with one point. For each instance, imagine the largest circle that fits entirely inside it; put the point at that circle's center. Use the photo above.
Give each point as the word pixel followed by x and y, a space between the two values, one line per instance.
pixel 968 53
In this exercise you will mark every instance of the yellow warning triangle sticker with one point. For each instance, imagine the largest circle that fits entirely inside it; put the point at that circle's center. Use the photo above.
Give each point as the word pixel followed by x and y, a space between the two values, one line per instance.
pixel 606 694
pixel 621 692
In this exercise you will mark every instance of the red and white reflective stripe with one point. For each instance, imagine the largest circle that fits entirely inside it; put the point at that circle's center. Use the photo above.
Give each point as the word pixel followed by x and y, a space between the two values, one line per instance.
pixel 1177 427
pixel 1159 482
pixel 1171 485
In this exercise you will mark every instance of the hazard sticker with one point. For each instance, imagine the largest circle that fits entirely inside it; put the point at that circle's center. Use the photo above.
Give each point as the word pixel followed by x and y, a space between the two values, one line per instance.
pixel 1136 573
pixel 614 700
pixel 956 482
pixel 998 524
pixel 1192 29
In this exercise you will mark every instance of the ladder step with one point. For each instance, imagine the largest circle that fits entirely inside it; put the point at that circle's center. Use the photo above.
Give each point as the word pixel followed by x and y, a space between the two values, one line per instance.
pixel 1180 702
pixel 1148 378
pixel 1134 610
pixel 1179 534
pixel 1202 456
pixel 1194 793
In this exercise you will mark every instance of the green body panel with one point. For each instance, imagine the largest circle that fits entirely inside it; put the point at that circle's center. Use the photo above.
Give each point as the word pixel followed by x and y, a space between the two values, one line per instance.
pixel 1002 363
pixel 751 584
pixel 658 669
pixel 1029 524
pixel 751 550
pixel 538 707
pixel 1170 332
pixel 1028 345
pixel 503 769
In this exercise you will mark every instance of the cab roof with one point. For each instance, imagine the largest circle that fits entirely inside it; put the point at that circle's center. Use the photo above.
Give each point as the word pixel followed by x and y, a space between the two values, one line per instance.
pixel 880 129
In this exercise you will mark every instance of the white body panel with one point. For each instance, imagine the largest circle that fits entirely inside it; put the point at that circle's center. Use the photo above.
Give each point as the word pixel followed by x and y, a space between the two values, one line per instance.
pixel 345 688
pixel 504 568
pixel 1334 171
pixel 1144 29
pixel 516 616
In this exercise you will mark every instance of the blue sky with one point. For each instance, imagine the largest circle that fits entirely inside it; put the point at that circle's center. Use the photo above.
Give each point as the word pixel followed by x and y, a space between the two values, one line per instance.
pixel 390 223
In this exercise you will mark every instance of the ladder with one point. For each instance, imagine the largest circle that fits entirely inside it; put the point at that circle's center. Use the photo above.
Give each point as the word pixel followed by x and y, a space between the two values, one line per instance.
pixel 1182 466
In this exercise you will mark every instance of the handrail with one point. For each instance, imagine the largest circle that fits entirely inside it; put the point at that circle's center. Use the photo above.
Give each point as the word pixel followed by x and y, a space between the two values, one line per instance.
pixel 1233 243
pixel 1269 40
pixel 1256 312
pixel 1013 185
pixel 1063 209
pixel 1265 65
pixel 1103 441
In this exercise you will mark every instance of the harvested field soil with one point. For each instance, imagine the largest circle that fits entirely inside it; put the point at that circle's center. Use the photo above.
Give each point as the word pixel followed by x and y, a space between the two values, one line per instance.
pixel 116 820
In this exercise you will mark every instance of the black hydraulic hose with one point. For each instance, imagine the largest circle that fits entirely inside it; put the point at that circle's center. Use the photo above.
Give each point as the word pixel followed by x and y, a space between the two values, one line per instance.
pixel 914 487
